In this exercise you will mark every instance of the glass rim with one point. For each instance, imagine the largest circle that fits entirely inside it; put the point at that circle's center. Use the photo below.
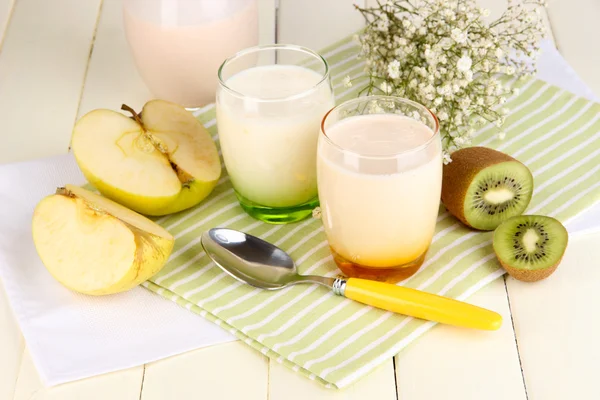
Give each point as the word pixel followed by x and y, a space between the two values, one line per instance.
pixel 276 46
pixel 436 130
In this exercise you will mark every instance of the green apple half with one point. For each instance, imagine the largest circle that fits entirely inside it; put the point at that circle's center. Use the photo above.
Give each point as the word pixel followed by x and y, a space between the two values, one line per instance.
pixel 159 162
pixel 95 246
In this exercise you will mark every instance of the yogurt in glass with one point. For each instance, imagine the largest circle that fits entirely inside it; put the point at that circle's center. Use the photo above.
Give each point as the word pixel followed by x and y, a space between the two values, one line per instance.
pixel 380 177
pixel 269 108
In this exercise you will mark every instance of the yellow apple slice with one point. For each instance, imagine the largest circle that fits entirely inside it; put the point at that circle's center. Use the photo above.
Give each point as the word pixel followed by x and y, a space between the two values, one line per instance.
pixel 160 162
pixel 95 246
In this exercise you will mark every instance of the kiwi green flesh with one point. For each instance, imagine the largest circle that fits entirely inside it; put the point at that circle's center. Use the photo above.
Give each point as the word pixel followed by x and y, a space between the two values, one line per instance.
pixel 497 193
pixel 530 242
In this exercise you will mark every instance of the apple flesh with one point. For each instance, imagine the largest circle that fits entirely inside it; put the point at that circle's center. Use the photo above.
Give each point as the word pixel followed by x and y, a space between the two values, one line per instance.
pixel 95 246
pixel 158 162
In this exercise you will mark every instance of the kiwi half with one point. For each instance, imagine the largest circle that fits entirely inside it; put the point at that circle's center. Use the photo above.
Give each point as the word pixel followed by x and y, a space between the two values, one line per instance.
pixel 530 247
pixel 483 187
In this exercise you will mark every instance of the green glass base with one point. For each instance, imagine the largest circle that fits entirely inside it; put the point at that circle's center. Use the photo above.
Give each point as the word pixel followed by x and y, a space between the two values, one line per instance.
pixel 278 215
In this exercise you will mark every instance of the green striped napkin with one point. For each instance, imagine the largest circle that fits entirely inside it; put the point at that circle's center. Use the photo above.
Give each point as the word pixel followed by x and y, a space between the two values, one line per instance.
pixel 332 339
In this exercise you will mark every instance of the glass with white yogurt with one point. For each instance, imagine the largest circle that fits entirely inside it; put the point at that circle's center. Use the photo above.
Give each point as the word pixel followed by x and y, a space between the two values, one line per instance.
pixel 270 103
pixel 380 178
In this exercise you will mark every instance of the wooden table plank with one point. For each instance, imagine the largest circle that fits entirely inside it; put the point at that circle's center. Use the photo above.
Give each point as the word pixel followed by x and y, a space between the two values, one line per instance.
pixel 285 384
pixel 227 371
pixel 464 364
pixel 122 385
pixel 42 67
pixel 557 326
pixel 11 348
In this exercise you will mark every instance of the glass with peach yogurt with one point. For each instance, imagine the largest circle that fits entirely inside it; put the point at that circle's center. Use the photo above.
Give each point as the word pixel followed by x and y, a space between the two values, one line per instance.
pixel 379 169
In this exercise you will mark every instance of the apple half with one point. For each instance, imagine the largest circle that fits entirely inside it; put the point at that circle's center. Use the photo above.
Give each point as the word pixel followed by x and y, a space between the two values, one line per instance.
pixel 158 162
pixel 95 246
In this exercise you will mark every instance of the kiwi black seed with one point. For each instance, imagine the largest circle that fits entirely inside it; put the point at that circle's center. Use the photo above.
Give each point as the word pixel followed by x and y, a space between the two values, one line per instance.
pixel 483 187
pixel 530 247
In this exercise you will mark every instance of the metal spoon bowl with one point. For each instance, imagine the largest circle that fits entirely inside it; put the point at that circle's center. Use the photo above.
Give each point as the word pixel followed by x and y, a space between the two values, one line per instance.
pixel 255 261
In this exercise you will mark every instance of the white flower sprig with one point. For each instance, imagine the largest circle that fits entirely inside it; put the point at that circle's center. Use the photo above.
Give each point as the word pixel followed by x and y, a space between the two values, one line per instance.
pixel 444 55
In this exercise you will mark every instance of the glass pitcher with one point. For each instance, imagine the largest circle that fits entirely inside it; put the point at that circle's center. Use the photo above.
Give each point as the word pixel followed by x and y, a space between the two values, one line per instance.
pixel 178 45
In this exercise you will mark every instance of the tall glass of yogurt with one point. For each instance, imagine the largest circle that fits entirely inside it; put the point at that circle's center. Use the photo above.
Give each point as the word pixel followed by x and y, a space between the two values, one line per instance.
pixel 178 45
pixel 270 103
pixel 380 178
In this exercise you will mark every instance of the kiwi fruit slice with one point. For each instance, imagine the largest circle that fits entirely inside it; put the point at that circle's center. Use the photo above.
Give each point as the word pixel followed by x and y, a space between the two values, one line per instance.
pixel 530 247
pixel 483 187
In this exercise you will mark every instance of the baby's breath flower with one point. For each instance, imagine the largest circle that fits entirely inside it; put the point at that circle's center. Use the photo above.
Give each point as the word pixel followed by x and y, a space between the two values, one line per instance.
pixel 386 87
pixel 464 63
pixel 444 55
pixel 465 103
pixel 446 158
pixel 393 69
pixel 459 140
pixel 458 35
pixel 501 135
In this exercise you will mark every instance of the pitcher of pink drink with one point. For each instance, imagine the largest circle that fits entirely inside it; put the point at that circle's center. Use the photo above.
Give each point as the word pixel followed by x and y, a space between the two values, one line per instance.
pixel 178 45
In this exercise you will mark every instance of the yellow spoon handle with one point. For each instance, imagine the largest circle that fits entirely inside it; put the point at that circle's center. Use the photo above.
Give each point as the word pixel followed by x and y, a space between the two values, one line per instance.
pixel 420 304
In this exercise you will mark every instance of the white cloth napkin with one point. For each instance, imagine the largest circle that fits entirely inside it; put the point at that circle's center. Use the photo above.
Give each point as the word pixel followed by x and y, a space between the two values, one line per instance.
pixel 71 336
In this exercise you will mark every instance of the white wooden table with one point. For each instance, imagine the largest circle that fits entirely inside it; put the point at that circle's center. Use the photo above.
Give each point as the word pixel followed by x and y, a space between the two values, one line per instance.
pixel 62 58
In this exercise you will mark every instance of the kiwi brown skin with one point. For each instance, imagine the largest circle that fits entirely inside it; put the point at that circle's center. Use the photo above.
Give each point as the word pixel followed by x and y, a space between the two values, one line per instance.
pixel 460 173
pixel 530 275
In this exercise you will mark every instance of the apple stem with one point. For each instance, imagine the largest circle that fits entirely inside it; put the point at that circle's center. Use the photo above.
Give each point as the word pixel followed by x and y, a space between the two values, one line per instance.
pixel 63 191
pixel 136 116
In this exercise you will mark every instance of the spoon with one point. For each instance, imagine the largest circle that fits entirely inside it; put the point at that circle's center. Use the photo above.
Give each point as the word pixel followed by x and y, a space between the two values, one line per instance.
pixel 263 265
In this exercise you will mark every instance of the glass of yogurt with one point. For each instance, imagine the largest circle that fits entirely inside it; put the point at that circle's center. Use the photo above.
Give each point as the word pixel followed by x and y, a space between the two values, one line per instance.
pixel 270 102
pixel 379 167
